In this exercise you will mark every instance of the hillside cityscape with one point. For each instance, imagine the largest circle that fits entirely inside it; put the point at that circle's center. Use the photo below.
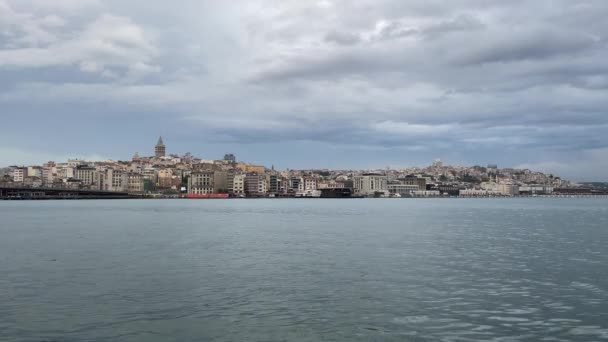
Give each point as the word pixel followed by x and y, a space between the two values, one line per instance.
pixel 172 175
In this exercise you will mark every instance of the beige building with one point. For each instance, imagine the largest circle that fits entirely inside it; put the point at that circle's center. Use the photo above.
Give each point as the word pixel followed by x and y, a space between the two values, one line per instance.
pixel 330 184
pixel 207 182
pixel 255 184
pixel 34 171
pixel 135 182
pixel 418 181
pixel 238 184
pixel 166 179
pixel 248 168
pixel 87 175
pixel 508 189
pixel 369 184
pixel 113 180
pixel 309 183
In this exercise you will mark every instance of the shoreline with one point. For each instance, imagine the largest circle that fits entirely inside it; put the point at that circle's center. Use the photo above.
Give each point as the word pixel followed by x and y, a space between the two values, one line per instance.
pixel 53 198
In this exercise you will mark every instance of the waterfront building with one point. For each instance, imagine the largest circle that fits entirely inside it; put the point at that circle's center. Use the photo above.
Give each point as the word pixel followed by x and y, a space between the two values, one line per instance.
pixel 159 149
pixel 426 193
pixel 230 181
pixel 403 190
pixel 447 189
pixel 273 183
pixel 165 178
pixel 330 184
pixel 535 190
pixel 18 173
pixel 492 186
pixel 87 176
pixel 478 193
pixel 149 173
pixel 508 189
pixel 309 183
pixel 255 184
pixel 420 182
pixel 238 184
pixel 294 184
pixel 65 171
pixel 112 179
pixel 370 184
pixel 135 182
pixel 201 182
pixel 48 173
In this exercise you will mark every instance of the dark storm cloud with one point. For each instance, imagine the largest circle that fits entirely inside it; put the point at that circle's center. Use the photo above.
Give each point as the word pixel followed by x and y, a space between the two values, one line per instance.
pixel 520 45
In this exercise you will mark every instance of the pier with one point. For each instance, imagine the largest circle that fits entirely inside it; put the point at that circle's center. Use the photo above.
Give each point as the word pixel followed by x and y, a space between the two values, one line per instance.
pixel 24 193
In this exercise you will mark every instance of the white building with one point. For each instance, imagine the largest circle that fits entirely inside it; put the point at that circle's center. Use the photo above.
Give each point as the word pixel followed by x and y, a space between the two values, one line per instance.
pixel 309 183
pixel 18 174
pixel 426 193
pixel 402 189
pixel 478 193
pixel 65 171
pixel 535 190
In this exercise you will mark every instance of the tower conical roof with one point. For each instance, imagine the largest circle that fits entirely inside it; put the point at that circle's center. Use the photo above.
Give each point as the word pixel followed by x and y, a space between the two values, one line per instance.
pixel 160 141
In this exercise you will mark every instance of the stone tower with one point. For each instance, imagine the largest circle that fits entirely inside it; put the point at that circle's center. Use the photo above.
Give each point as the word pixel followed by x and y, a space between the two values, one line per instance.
pixel 159 149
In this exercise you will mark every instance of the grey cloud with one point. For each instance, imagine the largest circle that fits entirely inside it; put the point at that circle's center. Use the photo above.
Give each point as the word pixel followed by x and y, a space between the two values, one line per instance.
pixel 515 45
pixel 342 38
pixel 465 22
pixel 433 76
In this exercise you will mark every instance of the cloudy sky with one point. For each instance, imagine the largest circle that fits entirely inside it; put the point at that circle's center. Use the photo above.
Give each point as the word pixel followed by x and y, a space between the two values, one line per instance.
pixel 328 84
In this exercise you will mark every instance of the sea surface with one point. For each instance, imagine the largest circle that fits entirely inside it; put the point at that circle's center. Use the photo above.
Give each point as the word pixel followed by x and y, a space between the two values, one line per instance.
pixel 533 269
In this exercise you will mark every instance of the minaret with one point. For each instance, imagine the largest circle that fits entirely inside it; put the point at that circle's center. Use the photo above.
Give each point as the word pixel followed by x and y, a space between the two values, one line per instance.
pixel 159 149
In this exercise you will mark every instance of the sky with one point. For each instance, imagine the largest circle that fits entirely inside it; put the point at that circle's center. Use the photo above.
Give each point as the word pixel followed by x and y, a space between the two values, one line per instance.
pixel 309 84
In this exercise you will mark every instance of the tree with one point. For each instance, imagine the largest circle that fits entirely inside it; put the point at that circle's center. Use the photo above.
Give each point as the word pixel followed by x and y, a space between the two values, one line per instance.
pixel 170 192
pixel 185 181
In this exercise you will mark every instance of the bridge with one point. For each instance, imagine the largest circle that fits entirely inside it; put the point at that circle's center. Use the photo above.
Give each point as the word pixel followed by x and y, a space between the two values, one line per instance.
pixel 25 193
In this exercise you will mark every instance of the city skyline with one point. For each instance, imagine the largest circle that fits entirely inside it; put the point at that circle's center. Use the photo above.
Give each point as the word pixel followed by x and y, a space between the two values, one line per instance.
pixel 371 84
pixel 160 150
pixel 179 176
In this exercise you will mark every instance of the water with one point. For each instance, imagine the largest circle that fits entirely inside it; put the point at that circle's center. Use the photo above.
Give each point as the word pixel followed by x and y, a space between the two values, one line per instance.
pixel 304 270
